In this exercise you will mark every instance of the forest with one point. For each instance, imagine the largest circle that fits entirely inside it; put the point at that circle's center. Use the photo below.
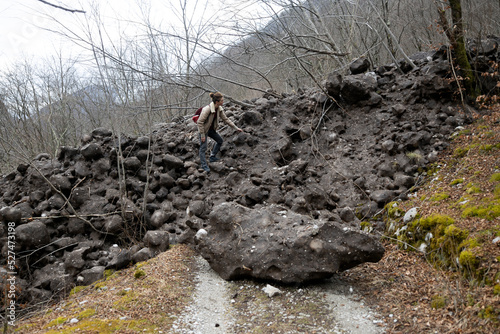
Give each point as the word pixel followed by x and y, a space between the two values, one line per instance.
pixel 129 82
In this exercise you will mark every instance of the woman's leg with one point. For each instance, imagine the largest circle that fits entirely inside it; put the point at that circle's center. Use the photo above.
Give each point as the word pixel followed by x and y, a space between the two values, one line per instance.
pixel 203 150
pixel 218 143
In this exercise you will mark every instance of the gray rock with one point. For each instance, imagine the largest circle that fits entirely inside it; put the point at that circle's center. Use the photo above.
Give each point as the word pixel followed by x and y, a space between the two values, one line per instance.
pixel 382 197
pixel 333 84
pixel 252 118
pixel 166 180
pixel 347 214
pixel 79 196
pixel 119 259
pixel 143 254
pixel 359 66
pixel 60 182
pixel 157 241
pixel 75 261
pixel 101 132
pixel 158 218
pixel 132 163
pixel 91 275
pixel 52 277
pixel 197 208
pixel 276 244
pixel 356 88
pixel 11 214
pixel 114 224
pixel 91 151
pixel 172 162
pixel 32 235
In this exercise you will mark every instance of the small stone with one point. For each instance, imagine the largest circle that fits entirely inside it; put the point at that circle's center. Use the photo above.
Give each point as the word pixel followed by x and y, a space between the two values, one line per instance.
pixel 271 291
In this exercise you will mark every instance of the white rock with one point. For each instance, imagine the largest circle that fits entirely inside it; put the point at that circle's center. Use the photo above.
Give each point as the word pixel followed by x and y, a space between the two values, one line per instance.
pixel 410 215
pixel 73 321
pixel 271 291
pixel 201 234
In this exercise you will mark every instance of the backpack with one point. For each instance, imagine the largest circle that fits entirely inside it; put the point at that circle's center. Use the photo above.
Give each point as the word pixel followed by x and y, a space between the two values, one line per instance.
pixel 197 115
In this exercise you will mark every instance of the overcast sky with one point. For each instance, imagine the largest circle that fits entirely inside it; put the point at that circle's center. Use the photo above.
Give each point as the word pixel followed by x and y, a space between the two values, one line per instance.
pixel 23 23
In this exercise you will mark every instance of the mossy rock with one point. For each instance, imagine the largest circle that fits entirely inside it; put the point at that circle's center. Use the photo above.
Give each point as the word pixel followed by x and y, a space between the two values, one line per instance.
pixel 393 210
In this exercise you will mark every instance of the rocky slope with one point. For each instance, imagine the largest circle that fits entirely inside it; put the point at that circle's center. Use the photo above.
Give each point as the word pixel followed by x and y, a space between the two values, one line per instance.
pixel 119 199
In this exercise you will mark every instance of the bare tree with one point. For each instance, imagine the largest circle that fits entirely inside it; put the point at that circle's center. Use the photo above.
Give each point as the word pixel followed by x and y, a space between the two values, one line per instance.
pixel 62 7
pixel 455 34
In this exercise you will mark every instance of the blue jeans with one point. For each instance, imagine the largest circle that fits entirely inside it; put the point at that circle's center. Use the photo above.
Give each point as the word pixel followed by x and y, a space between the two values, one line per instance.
pixel 203 147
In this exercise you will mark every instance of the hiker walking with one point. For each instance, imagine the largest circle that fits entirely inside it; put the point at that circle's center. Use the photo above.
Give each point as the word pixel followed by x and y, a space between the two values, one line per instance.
pixel 208 122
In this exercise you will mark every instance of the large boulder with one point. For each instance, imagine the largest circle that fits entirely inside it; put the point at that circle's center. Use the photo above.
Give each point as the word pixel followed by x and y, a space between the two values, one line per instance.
pixel 273 243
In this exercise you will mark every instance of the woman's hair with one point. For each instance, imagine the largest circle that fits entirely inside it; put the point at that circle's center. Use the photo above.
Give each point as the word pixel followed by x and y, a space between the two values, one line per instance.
pixel 216 96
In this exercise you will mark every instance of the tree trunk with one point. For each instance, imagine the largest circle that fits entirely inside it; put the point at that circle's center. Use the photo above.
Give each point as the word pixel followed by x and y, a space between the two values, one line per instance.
pixel 458 43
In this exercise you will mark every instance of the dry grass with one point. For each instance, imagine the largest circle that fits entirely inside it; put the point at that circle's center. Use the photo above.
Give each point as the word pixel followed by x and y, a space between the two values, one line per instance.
pixel 410 292
pixel 145 298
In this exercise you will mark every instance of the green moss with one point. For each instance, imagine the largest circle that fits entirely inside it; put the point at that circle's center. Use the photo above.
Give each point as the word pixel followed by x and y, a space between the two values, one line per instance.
pixel 495 177
pixel 366 226
pixel 108 273
pixel 496 290
pixel 99 285
pixel 489 313
pixel 438 302
pixel 457 181
pixel 414 156
pixel 86 314
pixel 473 189
pixel 468 260
pixel 471 243
pixel 465 132
pixel 435 220
pixel 127 301
pixel 486 147
pixel 139 273
pixel 460 152
pixel 56 322
pixel 496 191
pixel 456 233
pixel 439 197
pixel 489 210
pixel 77 289
pixel 107 326
pixel 393 210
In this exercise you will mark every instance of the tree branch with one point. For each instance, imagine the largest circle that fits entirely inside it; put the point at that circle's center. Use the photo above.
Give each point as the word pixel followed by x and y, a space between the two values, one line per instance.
pixel 63 8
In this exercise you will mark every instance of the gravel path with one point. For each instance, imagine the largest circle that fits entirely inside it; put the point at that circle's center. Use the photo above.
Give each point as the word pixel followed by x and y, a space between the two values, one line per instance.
pixel 213 311
pixel 210 312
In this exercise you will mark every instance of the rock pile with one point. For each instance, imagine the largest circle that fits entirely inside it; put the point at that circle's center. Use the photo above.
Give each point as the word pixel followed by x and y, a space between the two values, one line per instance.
pixel 325 165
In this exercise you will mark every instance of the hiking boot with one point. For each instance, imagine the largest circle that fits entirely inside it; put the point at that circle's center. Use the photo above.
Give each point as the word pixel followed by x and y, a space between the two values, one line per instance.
pixel 214 159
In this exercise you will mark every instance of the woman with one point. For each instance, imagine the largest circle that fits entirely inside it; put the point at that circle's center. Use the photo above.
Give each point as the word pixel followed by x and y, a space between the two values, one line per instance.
pixel 208 122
